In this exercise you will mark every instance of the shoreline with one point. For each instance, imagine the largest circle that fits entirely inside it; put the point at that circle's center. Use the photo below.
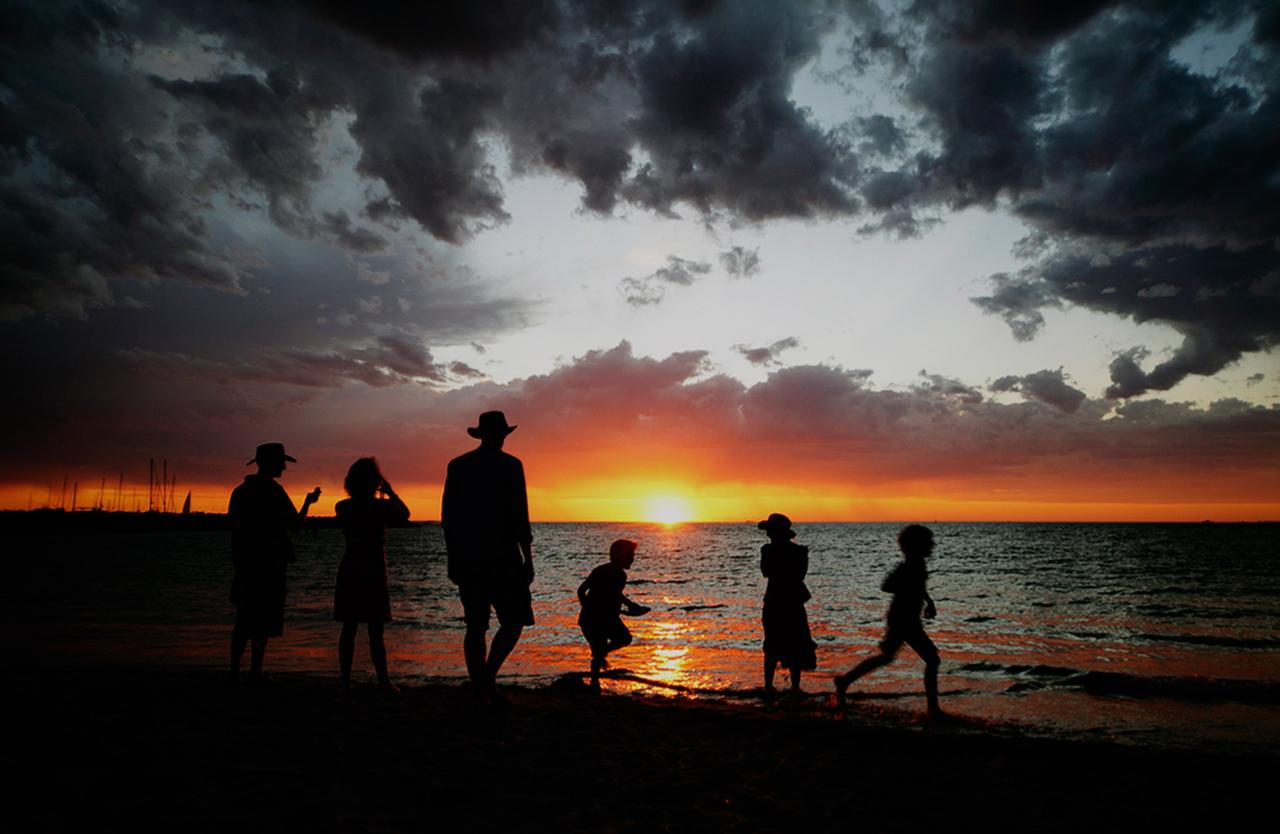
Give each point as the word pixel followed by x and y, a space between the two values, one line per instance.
pixel 177 745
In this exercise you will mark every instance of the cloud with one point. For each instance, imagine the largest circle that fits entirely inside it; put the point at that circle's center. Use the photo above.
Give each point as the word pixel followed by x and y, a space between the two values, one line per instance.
pixel 740 262
pixel 1018 300
pixel 1046 386
pixel 947 387
pixel 652 288
pixel 611 414
pixel 1145 185
pixel 767 355
pixel 137 138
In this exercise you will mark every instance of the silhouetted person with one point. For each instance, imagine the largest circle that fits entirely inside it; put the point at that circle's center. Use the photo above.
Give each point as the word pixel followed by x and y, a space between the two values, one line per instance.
pixel 787 640
pixel 907 582
pixel 262 518
pixel 485 516
pixel 602 600
pixel 361 595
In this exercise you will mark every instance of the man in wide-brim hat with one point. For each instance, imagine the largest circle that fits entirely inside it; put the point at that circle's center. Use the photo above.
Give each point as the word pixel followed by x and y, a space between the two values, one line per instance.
pixel 262 517
pixel 485 516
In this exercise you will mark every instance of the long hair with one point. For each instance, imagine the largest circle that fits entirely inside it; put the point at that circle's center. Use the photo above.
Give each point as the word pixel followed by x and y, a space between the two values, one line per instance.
pixel 363 478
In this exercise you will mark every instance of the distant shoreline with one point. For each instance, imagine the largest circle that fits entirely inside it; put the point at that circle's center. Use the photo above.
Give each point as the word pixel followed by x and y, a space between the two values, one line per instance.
pixel 59 521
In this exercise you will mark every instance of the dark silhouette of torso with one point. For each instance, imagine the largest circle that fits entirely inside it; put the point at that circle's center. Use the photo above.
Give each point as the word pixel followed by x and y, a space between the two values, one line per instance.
pixel 485 511
pixel 262 516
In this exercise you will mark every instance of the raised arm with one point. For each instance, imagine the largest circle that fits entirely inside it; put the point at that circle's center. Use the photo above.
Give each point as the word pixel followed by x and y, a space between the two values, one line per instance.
pixel 297 517
pixel 399 510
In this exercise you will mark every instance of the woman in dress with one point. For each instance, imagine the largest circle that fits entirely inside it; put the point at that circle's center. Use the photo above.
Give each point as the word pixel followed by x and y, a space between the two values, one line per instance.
pixel 361 595
pixel 787 640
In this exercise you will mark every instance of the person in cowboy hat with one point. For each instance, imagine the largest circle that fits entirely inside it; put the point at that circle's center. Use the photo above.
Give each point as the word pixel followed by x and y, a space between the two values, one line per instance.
pixel 485 516
pixel 262 516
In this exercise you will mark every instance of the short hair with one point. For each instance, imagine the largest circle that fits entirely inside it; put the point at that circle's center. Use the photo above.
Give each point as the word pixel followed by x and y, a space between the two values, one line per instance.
pixel 363 478
pixel 621 547
pixel 914 536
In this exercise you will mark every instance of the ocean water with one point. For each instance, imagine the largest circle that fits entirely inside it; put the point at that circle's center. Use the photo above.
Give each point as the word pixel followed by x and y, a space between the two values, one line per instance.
pixel 1142 633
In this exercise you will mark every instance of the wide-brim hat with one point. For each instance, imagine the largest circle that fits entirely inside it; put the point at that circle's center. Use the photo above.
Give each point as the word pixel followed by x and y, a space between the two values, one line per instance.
pixel 491 424
pixel 777 523
pixel 270 452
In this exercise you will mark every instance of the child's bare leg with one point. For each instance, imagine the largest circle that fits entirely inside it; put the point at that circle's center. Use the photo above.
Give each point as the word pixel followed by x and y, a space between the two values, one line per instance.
pixel 931 688
pixel 619 642
pixel 346 650
pixel 770 665
pixel 596 662
pixel 795 679
pixel 259 650
pixel 869 665
pixel 378 653
pixel 239 639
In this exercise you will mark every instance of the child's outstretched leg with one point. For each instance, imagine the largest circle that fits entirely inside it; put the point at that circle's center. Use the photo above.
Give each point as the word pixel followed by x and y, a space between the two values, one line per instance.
pixel 888 649
pixel 346 651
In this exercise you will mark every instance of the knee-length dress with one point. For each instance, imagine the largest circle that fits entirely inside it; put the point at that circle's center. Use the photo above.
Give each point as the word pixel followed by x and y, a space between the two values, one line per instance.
pixel 786 625
pixel 361 594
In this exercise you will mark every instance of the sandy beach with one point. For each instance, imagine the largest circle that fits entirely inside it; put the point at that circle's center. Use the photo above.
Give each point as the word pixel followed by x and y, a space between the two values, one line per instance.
pixel 176 748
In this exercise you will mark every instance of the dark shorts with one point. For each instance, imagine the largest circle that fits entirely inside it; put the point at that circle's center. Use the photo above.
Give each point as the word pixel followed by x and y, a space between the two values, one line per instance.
pixel 507 595
pixel 913 635
pixel 600 633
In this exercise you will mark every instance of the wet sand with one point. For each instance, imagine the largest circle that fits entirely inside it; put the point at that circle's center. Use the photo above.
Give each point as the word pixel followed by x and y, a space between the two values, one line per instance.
pixel 177 748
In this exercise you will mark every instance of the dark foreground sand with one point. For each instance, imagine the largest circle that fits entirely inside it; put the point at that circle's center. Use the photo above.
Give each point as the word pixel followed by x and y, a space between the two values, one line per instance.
pixel 177 750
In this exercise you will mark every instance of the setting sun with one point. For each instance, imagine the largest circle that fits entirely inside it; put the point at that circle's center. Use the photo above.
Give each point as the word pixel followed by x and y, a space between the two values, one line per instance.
pixel 668 510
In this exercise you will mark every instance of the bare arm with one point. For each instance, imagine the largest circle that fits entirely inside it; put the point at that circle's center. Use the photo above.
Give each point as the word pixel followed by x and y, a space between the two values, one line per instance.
pixel 582 591
pixel 400 510
pixel 930 610
pixel 312 497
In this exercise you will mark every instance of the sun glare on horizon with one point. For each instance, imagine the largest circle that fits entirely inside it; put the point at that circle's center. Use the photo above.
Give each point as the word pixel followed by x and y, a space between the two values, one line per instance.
pixel 667 509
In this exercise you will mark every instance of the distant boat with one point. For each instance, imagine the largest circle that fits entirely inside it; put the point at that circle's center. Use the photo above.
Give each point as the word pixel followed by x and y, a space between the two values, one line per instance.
pixel 186 505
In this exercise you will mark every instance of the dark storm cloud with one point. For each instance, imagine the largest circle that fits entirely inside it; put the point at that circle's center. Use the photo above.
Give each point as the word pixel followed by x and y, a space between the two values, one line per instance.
pixel 90 188
pixel 880 135
pixel 652 288
pixel 1047 386
pixel 719 127
pixel 1153 187
pixel 767 355
pixel 1019 300
pixel 740 262
pixel 132 135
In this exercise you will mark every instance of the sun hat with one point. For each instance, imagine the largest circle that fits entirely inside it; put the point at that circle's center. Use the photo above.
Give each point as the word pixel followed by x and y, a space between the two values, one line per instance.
pixel 490 424
pixel 269 452
pixel 777 523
